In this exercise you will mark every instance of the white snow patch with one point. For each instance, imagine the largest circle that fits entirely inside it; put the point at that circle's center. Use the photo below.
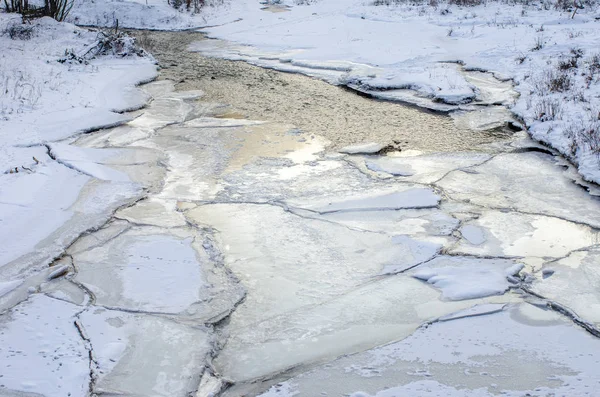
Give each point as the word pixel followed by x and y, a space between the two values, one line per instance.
pixel 468 278
pixel 365 148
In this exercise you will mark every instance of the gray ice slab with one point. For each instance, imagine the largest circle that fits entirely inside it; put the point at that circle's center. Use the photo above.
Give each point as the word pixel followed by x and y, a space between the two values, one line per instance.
pixel 411 197
pixel 513 234
pixel 522 349
pixel 363 148
pixel 41 351
pixel 473 234
pixel 424 168
pixel 388 165
pixel 154 212
pixel 528 182
pixel 423 222
pixel 143 355
pixel 575 283
pixel 159 271
pixel 373 314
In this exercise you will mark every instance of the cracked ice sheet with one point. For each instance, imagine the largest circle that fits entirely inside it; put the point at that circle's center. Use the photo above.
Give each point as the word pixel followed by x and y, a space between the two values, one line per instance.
pixel 161 112
pixel 166 109
pixel 155 270
pixel 399 198
pixel 87 161
pixel 142 355
pixel 426 168
pixel 154 212
pixel 370 315
pixel 41 350
pixel 462 278
pixel 196 157
pixel 265 152
pixel 425 222
pixel 521 349
pixel 144 269
pixel 575 283
pixel 302 279
pixel 43 212
pixel 520 235
pixel 528 182
pixel 42 281
pixel 117 165
pixel 305 262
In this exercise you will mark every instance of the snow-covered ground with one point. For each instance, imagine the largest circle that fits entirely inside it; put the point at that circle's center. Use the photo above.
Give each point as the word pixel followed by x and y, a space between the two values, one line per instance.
pixel 52 192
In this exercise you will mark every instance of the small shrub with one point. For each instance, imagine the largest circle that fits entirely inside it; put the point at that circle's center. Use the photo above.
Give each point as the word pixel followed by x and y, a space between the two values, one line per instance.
pixel 538 44
pixel 547 109
pixel 57 9
pixel 19 31
pixel 109 42
pixel 521 59
pixel 592 70
pixel 465 3
pixel 116 43
pixel 567 64
pixel 578 96
pixel 16 6
pixel 559 81
pixel 589 135
pixel 20 88
pixel 194 6
pixel 576 53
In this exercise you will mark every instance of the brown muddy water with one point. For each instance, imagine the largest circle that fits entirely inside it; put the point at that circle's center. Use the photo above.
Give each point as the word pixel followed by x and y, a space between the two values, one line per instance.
pixel 337 114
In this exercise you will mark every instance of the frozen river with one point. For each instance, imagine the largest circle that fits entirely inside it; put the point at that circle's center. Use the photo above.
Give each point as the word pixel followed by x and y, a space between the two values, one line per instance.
pixel 344 247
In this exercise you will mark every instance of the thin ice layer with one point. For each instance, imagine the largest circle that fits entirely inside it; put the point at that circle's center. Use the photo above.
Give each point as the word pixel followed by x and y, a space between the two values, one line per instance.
pixel 129 271
pixel 523 235
pixel 411 197
pixel 39 344
pixel 529 182
pixel 522 349
pixel 142 355
pixel 574 281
